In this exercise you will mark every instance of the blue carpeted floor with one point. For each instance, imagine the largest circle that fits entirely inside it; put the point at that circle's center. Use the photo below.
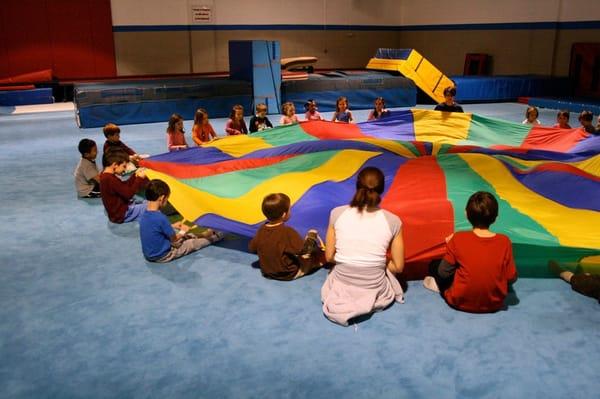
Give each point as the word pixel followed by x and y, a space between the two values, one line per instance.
pixel 83 315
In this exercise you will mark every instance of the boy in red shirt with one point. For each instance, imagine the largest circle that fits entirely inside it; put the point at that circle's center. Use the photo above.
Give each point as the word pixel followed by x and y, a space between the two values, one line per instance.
pixel 117 194
pixel 585 283
pixel 474 274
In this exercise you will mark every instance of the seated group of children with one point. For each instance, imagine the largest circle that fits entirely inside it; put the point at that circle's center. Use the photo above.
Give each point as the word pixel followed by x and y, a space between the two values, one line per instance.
pixel 160 242
pixel 562 120
pixel 283 253
pixel 202 130
pixel 473 276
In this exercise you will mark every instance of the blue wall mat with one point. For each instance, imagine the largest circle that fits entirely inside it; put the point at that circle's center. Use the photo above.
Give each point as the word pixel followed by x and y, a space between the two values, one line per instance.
pixel 26 97
pixel 508 88
pixel 568 104
pixel 157 111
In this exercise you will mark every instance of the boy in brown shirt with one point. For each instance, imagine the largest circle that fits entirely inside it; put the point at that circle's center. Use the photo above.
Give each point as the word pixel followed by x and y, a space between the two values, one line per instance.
pixel 282 253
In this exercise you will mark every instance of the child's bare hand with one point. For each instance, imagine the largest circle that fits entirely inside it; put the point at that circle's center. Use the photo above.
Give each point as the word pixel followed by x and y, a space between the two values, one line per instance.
pixel 141 172
pixel 184 227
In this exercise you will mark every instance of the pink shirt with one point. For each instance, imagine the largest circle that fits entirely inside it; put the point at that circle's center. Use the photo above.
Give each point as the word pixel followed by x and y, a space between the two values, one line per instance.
pixel 175 139
pixel 288 120
pixel 556 125
pixel 236 127
pixel 313 116
pixel 203 133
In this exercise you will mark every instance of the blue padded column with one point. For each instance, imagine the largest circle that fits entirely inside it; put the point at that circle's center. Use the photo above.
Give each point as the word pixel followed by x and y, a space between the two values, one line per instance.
pixel 258 62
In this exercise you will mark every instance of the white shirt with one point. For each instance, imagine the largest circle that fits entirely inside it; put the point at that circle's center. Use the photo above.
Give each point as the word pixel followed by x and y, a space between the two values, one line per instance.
pixel 363 238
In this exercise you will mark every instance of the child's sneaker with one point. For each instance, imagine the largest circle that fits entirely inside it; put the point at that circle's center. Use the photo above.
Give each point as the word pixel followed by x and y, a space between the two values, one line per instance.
pixel 555 267
pixel 315 234
pixel 430 284
pixel 217 236
pixel 311 244
pixel 93 194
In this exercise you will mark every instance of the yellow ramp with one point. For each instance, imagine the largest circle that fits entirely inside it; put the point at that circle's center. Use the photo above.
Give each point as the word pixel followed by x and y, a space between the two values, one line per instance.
pixel 418 69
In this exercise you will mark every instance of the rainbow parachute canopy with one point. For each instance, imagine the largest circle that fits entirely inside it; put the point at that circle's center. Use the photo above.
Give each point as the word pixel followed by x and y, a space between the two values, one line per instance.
pixel 547 180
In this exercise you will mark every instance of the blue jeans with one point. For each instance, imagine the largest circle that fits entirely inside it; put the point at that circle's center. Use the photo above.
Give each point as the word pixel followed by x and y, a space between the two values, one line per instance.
pixel 134 212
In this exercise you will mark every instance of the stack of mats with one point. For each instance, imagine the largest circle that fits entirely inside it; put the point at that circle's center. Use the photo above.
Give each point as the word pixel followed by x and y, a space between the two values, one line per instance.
pixel 361 88
pixel 20 89
pixel 154 100
pixel 547 180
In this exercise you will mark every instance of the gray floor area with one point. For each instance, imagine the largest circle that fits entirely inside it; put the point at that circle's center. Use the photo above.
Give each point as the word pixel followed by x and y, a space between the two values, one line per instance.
pixel 85 316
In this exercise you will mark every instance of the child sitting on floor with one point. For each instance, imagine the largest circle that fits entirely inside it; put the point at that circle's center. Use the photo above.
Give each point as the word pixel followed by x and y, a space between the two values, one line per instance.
pixel 449 104
pixel 311 111
pixel 117 195
pixel 289 114
pixel 342 114
pixel 259 121
pixel 175 134
pixel 584 283
pixel 379 111
pixel 236 125
pixel 160 242
pixel 202 131
pixel 113 141
pixel 562 120
pixel 531 116
pixel 586 118
pixel 474 274
pixel 87 175
pixel 282 253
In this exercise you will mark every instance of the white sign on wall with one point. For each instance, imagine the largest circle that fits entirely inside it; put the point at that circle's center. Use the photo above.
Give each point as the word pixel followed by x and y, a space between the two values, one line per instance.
pixel 201 12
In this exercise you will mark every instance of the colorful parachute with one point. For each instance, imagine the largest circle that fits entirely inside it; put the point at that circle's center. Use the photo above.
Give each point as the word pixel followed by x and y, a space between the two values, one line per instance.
pixel 547 180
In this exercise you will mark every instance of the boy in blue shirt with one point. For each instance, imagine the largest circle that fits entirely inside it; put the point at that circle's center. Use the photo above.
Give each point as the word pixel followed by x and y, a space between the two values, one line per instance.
pixel 160 242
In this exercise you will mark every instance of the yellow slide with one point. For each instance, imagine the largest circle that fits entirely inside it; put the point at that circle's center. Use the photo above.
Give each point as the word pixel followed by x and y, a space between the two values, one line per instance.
pixel 415 67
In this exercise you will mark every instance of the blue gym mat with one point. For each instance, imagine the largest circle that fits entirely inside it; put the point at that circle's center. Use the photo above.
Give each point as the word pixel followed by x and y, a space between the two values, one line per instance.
pixel 85 316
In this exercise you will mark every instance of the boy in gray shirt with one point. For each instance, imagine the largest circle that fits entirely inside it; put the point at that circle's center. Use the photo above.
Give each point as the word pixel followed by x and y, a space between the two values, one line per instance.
pixel 87 175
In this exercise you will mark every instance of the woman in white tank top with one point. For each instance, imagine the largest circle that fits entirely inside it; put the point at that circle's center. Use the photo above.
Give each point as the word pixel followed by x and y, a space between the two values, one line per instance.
pixel 358 238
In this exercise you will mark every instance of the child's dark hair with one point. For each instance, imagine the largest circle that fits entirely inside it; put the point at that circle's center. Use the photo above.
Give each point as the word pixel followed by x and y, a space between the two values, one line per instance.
pixel 235 108
pixel 156 188
pixel 110 129
pixel 85 146
pixel 199 116
pixel 563 113
pixel 375 113
pixel 586 116
pixel 369 187
pixel 275 205
pixel 482 209
pixel 531 109
pixel 173 120
pixel 117 156
pixel 308 103
pixel 338 101
pixel 450 91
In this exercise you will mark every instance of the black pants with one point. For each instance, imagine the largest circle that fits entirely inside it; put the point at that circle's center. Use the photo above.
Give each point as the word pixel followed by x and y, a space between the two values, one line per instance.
pixel 443 273
pixel 586 284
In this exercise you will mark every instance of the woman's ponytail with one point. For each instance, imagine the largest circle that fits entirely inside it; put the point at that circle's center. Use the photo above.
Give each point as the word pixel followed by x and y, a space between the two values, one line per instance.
pixel 369 187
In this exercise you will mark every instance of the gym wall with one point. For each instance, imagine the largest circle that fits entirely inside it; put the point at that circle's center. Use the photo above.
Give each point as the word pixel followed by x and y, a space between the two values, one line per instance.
pixel 532 37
